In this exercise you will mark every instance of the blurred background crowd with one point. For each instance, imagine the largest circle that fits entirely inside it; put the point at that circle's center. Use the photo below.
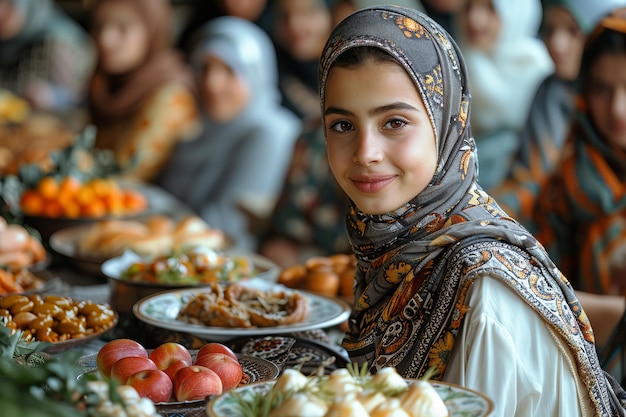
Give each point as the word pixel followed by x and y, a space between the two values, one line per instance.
pixel 216 102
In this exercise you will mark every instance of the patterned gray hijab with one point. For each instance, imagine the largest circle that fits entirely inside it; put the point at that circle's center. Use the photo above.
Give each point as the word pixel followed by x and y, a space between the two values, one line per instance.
pixel 416 263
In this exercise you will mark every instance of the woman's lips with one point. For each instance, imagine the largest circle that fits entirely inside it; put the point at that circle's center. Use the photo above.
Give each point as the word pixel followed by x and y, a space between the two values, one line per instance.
pixel 371 184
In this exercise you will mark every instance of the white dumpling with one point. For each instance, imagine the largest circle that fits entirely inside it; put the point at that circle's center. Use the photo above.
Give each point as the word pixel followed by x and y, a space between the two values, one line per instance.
pixel 290 380
pixel 371 399
pixel 300 405
pixel 347 407
pixel 421 400
pixel 388 379
pixel 341 383
pixel 389 408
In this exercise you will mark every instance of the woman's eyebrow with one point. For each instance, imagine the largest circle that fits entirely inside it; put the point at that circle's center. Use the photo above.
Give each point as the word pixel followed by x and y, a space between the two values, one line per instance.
pixel 337 110
pixel 377 110
pixel 399 105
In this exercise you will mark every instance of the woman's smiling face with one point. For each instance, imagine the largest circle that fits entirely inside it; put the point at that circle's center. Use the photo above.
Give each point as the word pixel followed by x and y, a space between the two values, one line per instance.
pixel 381 143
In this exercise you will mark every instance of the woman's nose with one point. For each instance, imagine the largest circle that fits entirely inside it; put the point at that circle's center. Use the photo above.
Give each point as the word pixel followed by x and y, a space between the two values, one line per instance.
pixel 368 148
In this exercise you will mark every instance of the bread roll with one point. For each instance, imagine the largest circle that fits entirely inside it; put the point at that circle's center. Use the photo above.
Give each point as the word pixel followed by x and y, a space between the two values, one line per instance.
pixel 160 224
pixel 191 224
pixel 152 245
pixel 211 238
pixel 111 236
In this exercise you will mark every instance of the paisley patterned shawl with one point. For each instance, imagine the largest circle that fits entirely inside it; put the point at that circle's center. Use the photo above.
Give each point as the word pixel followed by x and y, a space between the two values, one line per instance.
pixel 415 264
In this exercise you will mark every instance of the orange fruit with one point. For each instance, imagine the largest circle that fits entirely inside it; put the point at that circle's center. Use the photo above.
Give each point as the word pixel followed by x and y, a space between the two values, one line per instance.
pixel 85 195
pixel 48 187
pixel 70 208
pixel 322 282
pixel 114 203
pixel 102 187
pixel 32 203
pixel 319 263
pixel 69 186
pixel 52 208
pixel 134 201
pixel 95 208
pixel 293 276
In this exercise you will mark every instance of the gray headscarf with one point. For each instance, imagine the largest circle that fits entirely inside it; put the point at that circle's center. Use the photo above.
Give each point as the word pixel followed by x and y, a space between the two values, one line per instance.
pixel 415 263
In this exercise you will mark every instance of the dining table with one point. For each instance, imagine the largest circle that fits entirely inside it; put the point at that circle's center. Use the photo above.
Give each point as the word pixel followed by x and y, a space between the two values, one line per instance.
pixel 312 350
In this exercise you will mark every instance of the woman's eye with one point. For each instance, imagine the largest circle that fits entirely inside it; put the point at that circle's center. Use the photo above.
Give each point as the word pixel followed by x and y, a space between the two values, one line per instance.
pixel 395 124
pixel 341 126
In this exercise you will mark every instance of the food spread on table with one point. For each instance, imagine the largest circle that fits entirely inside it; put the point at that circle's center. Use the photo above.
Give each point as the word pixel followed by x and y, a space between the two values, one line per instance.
pixel 18 248
pixel 193 265
pixel 73 180
pixel 54 318
pixel 70 197
pixel 237 305
pixel 155 235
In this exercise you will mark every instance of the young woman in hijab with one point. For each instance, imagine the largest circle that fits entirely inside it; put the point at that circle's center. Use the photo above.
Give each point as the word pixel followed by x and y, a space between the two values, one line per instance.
pixel 580 212
pixel 566 25
pixel 244 152
pixel 141 95
pixel 506 63
pixel 45 57
pixel 445 280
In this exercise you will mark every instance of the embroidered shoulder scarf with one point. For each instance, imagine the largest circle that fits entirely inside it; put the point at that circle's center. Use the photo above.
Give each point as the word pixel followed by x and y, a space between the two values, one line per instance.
pixel 415 264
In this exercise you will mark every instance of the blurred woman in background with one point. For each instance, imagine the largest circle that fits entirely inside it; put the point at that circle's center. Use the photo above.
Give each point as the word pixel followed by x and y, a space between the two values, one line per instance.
pixel 506 63
pixel 566 25
pixel 239 162
pixel 299 29
pixel 580 212
pixel 141 95
pixel 45 56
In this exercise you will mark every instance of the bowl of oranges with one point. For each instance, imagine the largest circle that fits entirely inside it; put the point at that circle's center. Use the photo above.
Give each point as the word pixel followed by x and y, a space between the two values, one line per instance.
pixel 55 203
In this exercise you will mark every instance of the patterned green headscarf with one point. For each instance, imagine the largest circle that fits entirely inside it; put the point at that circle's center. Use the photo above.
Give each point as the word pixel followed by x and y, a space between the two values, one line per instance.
pixel 416 263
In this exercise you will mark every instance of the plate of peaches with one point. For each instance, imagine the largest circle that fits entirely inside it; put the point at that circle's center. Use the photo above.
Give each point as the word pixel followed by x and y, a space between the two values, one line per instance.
pixel 173 376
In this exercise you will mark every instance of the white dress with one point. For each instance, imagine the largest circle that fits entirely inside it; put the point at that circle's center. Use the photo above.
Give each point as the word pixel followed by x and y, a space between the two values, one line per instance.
pixel 541 379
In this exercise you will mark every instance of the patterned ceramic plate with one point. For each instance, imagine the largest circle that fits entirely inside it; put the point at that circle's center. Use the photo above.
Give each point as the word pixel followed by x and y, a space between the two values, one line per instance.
pixel 255 370
pixel 161 310
pixel 461 402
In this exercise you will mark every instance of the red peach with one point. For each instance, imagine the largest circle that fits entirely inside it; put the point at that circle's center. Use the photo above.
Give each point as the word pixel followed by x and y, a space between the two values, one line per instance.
pixel 174 367
pixel 196 383
pixel 216 347
pixel 125 367
pixel 167 353
pixel 115 350
pixel 228 369
pixel 153 384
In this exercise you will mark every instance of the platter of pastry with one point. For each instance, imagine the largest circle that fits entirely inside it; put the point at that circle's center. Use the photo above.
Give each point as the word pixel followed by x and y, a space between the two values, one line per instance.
pixel 250 308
